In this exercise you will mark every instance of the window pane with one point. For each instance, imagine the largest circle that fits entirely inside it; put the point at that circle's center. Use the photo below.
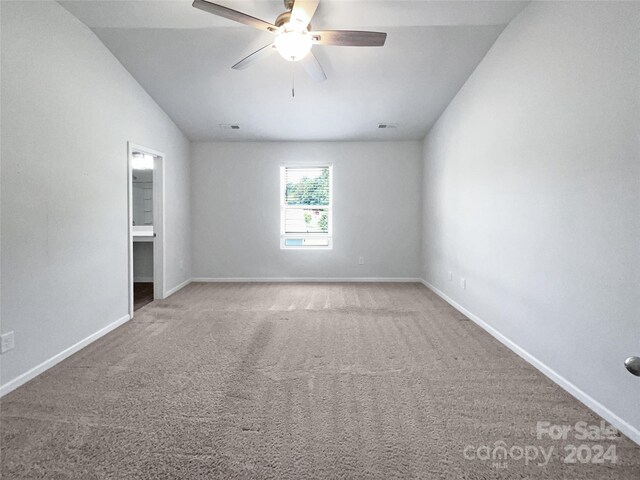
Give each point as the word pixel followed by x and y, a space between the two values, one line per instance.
pixel 307 186
pixel 306 242
pixel 306 220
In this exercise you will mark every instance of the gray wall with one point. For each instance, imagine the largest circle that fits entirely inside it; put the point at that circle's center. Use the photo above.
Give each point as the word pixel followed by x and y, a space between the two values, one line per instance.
pixel 68 110
pixel 532 193
pixel 236 210
pixel 143 261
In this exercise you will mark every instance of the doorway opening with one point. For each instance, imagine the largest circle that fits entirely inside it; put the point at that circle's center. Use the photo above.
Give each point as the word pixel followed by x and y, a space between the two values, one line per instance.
pixel 146 226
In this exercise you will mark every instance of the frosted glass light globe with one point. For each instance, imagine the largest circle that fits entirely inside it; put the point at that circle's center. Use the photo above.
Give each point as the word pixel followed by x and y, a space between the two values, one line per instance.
pixel 293 44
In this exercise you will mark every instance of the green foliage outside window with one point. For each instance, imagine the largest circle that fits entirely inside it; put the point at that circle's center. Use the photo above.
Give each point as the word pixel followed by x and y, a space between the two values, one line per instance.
pixel 309 191
pixel 323 223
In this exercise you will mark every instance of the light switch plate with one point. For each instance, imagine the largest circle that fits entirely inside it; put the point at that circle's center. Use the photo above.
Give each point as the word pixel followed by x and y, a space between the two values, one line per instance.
pixel 7 342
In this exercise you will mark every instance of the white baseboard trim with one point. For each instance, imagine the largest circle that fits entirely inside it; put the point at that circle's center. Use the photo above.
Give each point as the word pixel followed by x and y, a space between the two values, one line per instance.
pixel 143 279
pixel 623 426
pixel 306 279
pixel 47 364
pixel 178 287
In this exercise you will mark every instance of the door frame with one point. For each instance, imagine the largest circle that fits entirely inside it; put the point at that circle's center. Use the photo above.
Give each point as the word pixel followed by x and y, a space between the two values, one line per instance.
pixel 159 262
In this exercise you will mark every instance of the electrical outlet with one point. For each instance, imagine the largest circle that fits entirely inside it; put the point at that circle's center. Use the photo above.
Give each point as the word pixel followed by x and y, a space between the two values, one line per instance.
pixel 7 342
pixel 360 260
pixel 463 283
pixel 450 276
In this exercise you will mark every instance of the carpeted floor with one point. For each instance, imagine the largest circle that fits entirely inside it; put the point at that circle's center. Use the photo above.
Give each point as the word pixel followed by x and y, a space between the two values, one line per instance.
pixel 297 381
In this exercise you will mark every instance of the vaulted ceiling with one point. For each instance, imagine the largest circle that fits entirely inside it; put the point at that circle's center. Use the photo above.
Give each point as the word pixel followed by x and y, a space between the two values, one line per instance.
pixel 183 57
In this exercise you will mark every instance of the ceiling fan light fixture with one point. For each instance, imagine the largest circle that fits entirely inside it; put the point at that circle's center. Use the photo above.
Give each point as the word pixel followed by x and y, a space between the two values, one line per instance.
pixel 294 36
pixel 292 43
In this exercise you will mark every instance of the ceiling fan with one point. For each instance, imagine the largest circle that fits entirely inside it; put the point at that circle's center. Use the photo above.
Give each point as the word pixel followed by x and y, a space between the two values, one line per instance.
pixel 294 36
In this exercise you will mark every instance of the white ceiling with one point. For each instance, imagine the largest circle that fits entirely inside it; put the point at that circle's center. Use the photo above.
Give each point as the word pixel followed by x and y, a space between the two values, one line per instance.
pixel 183 56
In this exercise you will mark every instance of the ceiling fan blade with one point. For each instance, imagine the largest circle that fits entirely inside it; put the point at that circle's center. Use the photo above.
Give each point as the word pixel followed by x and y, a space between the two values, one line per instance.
pixel 313 67
pixel 257 55
pixel 349 38
pixel 303 11
pixel 234 15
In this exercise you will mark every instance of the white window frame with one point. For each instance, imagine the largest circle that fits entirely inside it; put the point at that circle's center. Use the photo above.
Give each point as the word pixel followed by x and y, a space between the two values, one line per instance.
pixel 283 235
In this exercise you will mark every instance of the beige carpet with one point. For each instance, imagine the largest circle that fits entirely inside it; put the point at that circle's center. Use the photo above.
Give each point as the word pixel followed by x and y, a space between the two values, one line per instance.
pixel 295 381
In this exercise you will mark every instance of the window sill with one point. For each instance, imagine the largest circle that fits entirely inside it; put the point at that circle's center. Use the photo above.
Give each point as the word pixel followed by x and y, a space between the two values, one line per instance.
pixel 306 243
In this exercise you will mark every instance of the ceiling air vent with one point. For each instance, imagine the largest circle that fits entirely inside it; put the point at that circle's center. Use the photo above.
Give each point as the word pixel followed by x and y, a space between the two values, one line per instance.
pixel 387 125
pixel 229 126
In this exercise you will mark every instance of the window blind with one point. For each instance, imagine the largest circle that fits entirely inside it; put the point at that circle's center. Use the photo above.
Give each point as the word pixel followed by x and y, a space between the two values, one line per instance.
pixel 306 206
pixel 306 186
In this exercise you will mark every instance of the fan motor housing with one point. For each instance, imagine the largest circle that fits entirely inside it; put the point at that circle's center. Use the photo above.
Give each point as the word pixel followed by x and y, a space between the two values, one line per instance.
pixel 282 19
pixel 285 18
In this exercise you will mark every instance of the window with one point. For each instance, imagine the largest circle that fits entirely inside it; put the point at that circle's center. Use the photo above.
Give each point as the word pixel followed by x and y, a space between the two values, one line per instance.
pixel 305 207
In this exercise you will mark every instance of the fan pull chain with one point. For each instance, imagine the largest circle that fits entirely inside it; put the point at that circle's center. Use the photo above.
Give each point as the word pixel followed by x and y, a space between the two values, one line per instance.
pixel 293 81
